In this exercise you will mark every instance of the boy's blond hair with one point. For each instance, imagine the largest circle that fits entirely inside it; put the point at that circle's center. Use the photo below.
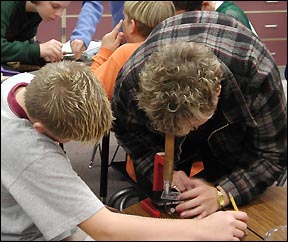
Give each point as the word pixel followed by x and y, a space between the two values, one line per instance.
pixel 148 14
pixel 178 85
pixel 69 101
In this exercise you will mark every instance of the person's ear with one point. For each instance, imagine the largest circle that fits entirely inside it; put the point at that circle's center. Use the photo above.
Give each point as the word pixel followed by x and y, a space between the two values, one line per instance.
pixel 207 6
pixel 39 127
pixel 218 90
pixel 133 27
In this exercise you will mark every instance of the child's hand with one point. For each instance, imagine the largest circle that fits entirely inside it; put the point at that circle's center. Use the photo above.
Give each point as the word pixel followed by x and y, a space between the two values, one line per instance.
pixel 113 39
pixel 77 47
pixel 51 50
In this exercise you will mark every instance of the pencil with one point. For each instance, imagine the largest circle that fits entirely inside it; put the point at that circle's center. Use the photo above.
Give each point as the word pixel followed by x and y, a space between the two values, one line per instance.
pixel 233 202
pixel 235 207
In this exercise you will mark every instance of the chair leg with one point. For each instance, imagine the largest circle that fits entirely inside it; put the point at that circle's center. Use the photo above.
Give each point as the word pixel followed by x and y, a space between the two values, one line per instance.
pixel 93 156
pixel 115 153
pixel 104 154
pixel 104 167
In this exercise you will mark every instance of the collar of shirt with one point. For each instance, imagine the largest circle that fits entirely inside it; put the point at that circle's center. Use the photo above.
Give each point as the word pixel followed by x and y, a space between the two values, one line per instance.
pixel 13 104
pixel 217 4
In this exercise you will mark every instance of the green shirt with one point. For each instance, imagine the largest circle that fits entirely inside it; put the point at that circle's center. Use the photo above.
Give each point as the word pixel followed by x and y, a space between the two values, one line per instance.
pixel 234 11
pixel 18 27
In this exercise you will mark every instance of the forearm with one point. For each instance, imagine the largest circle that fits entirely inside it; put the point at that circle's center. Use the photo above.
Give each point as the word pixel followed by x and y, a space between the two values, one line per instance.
pixel 122 227
pixel 89 17
pixel 246 185
pixel 263 149
pixel 134 228
pixel 220 226
pixel 18 51
pixel 100 58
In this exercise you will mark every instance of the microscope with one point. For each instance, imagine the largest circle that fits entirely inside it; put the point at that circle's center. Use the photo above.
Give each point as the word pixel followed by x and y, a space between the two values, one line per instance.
pixel 163 196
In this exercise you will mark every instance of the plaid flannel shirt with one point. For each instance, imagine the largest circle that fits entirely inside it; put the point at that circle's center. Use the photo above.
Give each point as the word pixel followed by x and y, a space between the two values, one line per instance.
pixel 252 142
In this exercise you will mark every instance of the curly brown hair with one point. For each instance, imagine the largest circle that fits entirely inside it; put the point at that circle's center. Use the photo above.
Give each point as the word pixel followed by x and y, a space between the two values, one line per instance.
pixel 178 85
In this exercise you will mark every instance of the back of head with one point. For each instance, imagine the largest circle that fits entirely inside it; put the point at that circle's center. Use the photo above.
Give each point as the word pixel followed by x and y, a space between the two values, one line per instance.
pixel 179 84
pixel 148 14
pixel 187 6
pixel 69 101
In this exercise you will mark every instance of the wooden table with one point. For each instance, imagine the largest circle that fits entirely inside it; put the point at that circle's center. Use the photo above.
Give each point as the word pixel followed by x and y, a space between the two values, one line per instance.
pixel 266 212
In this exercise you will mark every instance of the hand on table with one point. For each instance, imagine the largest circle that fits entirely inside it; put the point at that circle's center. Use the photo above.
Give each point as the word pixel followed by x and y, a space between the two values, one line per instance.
pixel 225 225
pixel 198 197
pixel 77 47
pixel 113 39
pixel 51 50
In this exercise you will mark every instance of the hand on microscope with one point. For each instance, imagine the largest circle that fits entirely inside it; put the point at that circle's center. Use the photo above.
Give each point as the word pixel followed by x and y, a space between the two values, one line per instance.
pixel 199 198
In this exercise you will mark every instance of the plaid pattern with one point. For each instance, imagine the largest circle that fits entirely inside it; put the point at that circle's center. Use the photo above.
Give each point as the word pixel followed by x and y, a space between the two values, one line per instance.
pixel 249 148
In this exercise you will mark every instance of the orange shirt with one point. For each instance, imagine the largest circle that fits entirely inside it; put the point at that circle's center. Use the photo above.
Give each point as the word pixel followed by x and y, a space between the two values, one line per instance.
pixel 106 64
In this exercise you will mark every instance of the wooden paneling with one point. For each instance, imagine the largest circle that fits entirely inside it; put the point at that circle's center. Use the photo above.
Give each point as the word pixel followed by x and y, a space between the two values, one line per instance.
pixel 261 5
pixel 103 28
pixel 278 49
pixel 272 25
pixel 54 29
pixel 74 8
pixel 49 30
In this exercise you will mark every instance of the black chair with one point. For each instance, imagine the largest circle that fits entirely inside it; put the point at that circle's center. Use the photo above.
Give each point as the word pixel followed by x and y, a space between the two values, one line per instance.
pixel 122 197
pixel 104 154
pixel 127 195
